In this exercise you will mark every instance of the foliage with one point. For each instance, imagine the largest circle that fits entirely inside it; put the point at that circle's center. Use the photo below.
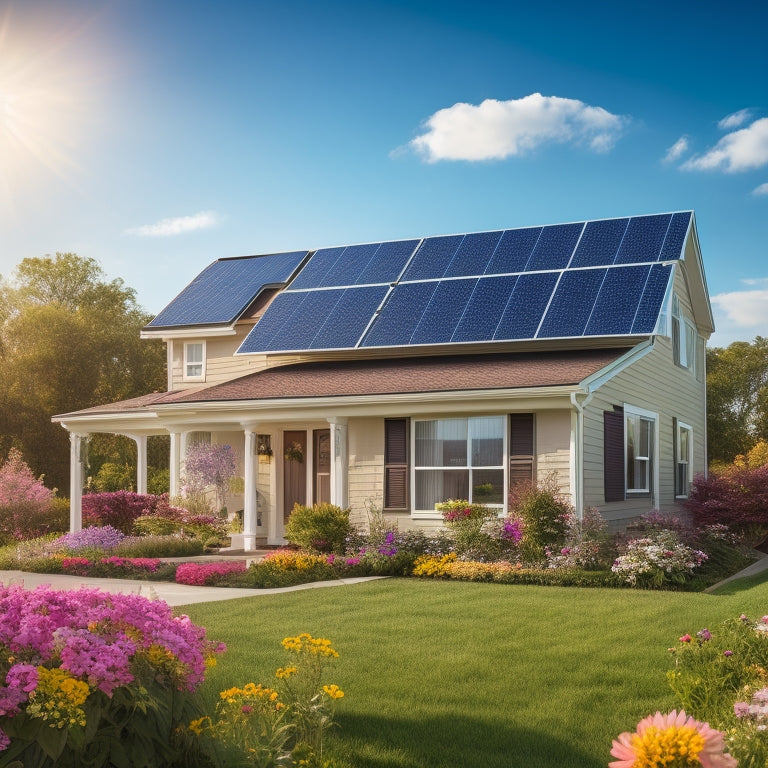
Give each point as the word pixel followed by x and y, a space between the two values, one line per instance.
pixel 756 456
pixel 586 543
pixel 285 568
pixel 722 675
pixel 168 520
pixel 737 398
pixel 119 509
pixel 159 546
pixel 737 498
pixel 70 339
pixel 208 464
pixel 115 567
pixel 467 524
pixel 322 527
pixel 113 477
pixel 87 673
pixel 543 512
pixel 93 537
pixel 205 574
pixel 282 725
pixel 657 560
pixel 158 480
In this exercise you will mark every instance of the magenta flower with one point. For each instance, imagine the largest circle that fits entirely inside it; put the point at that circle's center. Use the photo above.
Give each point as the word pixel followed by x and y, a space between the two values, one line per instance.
pixel 704 634
pixel 727 653
pixel 686 639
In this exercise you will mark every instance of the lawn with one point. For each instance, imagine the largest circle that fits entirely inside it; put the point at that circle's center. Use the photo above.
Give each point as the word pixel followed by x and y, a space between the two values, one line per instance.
pixel 463 675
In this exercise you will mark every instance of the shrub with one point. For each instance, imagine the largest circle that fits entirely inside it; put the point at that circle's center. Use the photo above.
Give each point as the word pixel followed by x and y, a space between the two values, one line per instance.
pixel 543 513
pixel 119 509
pixel 322 527
pixel 208 464
pixel 93 537
pixel 207 574
pixel 586 543
pixel 74 664
pixel 286 568
pixel 737 498
pixel 113 477
pixel 158 546
pixel 25 503
pixel 158 481
pixel 468 526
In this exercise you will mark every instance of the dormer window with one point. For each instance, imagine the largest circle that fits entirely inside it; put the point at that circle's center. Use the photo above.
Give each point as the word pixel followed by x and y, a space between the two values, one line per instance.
pixel 194 361
pixel 684 338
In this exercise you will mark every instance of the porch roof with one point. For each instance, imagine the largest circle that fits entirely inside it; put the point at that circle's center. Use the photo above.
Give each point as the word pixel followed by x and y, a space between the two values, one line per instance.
pixel 389 376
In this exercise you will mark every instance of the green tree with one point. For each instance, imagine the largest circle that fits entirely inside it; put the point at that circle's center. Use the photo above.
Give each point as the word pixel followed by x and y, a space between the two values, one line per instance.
pixel 69 339
pixel 737 398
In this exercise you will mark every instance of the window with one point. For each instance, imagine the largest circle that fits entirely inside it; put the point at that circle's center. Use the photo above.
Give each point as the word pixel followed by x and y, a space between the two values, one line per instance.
pixel 639 451
pixel 684 337
pixel 194 361
pixel 683 448
pixel 459 459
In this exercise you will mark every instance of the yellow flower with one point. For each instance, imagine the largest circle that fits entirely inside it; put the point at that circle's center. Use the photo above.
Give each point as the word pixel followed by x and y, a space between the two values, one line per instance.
pixel 200 725
pixel 333 691
pixel 285 672
pixel 58 698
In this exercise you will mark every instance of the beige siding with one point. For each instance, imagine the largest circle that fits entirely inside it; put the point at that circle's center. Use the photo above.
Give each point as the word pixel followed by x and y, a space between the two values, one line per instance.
pixel 656 384
pixel 366 467
pixel 553 448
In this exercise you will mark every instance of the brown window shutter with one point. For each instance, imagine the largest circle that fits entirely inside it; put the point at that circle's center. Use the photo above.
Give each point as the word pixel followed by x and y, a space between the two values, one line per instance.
pixel 613 455
pixel 521 438
pixel 396 464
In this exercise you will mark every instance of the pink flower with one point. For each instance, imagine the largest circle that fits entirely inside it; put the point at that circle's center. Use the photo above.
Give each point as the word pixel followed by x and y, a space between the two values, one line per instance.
pixel 727 653
pixel 672 736
pixel 686 639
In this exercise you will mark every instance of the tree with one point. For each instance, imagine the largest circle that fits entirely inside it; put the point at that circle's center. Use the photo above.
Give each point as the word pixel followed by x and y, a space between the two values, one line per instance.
pixel 69 339
pixel 737 398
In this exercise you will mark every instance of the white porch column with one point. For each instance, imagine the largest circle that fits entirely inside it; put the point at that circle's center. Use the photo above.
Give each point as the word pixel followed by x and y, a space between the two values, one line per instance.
pixel 175 464
pixel 76 456
pixel 249 500
pixel 141 462
pixel 183 437
pixel 339 461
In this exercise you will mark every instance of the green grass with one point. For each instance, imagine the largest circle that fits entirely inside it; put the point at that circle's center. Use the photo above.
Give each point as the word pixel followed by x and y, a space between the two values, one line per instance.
pixel 457 675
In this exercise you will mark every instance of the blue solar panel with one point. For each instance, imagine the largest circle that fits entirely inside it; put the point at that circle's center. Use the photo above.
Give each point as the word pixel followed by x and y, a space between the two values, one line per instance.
pixel 432 258
pixel 388 262
pixel 525 306
pixel 226 288
pixel 398 319
pixel 675 239
pixel 349 266
pixel 272 322
pixel 643 240
pixel 315 270
pixel 600 243
pixel 554 247
pixel 618 300
pixel 302 326
pixel 349 317
pixel 443 312
pixel 572 303
pixel 484 309
pixel 473 254
pixel 653 295
pixel 513 251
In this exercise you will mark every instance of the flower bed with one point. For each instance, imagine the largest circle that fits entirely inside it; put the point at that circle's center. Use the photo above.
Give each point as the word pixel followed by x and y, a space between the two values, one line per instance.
pixel 206 574
pixel 76 664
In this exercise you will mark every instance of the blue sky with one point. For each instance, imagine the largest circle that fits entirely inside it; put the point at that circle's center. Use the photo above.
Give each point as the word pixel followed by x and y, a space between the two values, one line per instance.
pixel 158 135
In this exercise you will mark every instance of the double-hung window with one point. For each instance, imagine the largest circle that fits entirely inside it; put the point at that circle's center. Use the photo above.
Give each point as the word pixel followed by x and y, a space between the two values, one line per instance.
pixel 684 337
pixel 461 458
pixel 683 448
pixel 194 361
pixel 640 450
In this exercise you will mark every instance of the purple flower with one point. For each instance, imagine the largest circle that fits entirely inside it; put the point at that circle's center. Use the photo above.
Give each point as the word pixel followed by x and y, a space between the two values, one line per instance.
pixel 22 676
pixel 727 653
pixel 704 634
pixel 741 708
pixel 5 741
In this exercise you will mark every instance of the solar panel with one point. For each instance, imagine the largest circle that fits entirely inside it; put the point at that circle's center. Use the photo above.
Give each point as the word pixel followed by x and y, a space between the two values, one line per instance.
pixel 226 288
pixel 586 279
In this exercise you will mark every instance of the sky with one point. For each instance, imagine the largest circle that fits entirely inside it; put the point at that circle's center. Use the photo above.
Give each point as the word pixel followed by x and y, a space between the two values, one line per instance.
pixel 156 136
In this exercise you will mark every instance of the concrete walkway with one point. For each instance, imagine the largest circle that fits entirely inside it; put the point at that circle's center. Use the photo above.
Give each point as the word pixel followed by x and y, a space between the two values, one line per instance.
pixel 172 593
pixel 760 565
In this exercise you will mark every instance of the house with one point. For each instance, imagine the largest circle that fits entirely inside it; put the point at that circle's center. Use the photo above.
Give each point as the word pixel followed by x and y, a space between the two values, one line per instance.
pixel 400 374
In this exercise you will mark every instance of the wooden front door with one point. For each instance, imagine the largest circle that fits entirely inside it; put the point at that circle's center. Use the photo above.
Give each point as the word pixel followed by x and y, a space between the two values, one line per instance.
pixel 294 470
pixel 321 459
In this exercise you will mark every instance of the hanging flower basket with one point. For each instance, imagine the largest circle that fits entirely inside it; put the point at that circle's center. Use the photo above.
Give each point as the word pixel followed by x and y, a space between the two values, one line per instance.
pixel 294 452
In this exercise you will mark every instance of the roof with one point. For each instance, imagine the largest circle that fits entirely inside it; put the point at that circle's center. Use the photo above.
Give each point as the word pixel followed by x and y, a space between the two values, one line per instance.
pixel 391 376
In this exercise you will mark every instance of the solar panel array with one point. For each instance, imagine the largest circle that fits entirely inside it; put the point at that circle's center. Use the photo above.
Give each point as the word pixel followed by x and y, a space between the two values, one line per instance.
pixel 226 288
pixel 588 279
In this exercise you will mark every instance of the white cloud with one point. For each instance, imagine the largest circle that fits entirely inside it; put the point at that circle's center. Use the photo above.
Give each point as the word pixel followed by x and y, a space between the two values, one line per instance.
pixel 735 120
pixel 761 190
pixel 494 130
pixel 177 226
pixel 740 150
pixel 741 315
pixel 677 150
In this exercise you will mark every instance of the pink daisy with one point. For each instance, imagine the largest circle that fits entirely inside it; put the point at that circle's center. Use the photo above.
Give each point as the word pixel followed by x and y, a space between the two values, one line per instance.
pixel 674 740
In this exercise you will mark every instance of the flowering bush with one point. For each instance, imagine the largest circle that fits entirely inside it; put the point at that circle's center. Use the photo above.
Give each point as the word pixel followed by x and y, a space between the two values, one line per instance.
pixel 433 565
pixel 24 501
pixel 544 512
pixel 209 464
pixel 281 725
pixel 92 537
pixel 202 574
pixel 657 560
pixel 118 509
pixel 475 529
pixel 75 663
pixel 586 542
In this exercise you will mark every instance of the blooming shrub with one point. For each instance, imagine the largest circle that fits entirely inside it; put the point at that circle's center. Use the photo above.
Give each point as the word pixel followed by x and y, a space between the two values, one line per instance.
pixel 586 542
pixel 73 663
pixel 92 537
pixel 476 530
pixel 25 502
pixel 433 565
pixel 658 560
pixel 207 574
pixel 119 509
pixel 209 464
pixel 281 725
pixel 544 512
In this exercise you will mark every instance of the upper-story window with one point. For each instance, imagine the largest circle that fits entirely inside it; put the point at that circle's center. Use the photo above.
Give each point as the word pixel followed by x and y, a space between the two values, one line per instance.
pixel 194 361
pixel 640 449
pixel 684 337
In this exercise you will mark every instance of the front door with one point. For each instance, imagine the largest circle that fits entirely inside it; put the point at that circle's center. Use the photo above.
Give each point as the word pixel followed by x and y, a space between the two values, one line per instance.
pixel 294 470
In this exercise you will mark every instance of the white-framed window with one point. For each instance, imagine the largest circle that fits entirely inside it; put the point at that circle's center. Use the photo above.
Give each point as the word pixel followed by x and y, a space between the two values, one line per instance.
pixel 194 361
pixel 684 338
pixel 458 458
pixel 683 453
pixel 640 451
